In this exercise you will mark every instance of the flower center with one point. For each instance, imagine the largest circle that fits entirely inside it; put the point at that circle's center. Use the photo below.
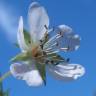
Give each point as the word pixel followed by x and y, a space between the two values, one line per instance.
pixel 36 52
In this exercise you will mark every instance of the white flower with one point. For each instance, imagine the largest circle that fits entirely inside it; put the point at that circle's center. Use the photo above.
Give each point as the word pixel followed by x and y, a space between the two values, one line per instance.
pixel 43 48
pixel 38 18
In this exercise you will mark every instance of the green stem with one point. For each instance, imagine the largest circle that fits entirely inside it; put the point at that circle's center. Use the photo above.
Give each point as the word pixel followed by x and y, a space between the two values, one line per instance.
pixel 7 74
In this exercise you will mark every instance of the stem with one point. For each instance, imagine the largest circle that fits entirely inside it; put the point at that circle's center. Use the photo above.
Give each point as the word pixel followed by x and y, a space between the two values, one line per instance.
pixel 7 74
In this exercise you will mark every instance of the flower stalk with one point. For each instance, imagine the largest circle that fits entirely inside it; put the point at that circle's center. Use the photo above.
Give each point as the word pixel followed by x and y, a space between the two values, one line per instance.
pixel 7 74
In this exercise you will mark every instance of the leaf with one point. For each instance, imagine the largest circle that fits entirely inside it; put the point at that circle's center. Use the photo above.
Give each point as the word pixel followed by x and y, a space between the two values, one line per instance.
pixel 20 57
pixel 42 71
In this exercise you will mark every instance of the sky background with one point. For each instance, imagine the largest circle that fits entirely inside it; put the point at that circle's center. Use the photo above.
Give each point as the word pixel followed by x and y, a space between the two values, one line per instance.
pixel 81 16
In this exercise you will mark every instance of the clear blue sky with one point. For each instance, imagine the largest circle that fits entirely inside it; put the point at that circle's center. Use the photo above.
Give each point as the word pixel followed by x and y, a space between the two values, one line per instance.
pixel 81 16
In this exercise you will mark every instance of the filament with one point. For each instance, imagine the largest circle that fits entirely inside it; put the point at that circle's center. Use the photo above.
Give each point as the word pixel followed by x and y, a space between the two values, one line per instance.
pixel 52 38
pixel 53 52
pixel 50 48
pixel 50 30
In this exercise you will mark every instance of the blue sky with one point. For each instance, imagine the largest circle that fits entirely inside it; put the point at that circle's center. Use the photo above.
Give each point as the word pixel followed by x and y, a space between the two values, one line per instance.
pixel 81 16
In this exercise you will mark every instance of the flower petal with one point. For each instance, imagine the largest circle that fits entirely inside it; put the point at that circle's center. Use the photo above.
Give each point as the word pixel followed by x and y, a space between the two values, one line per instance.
pixel 63 40
pixel 26 72
pixel 65 28
pixel 38 18
pixel 68 39
pixel 33 78
pixel 18 70
pixel 67 72
pixel 20 36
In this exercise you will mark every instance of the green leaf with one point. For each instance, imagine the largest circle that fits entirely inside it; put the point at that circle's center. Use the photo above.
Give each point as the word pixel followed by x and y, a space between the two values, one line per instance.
pixel 42 71
pixel 20 57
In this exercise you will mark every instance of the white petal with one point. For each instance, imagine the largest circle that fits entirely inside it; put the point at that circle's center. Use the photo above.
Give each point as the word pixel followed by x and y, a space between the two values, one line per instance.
pixel 63 35
pixel 33 78
pixel 68 39
pixel 20 36
pixel 38 18
pixel 64 40
pixel 67 72
pixel 65 28
pixel 18 70
pixel 27 72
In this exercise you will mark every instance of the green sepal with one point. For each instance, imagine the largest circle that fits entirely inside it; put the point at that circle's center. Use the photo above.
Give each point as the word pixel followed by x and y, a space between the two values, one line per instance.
pixel 27 37
pixel 42 71
pixel 20 57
